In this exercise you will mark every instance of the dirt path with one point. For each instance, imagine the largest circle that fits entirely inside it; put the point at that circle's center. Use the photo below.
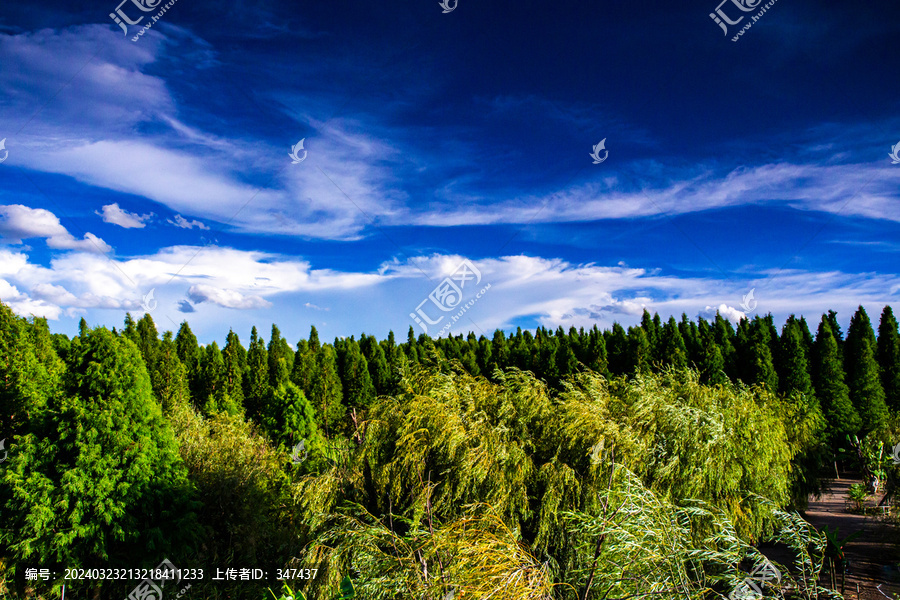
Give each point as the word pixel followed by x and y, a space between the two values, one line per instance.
pixel 873 555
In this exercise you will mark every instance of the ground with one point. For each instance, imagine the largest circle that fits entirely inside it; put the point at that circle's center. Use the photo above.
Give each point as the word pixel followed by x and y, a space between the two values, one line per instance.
pixel 873 555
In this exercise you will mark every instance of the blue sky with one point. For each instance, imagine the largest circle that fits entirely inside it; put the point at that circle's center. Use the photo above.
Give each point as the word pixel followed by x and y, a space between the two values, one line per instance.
pixel 430 138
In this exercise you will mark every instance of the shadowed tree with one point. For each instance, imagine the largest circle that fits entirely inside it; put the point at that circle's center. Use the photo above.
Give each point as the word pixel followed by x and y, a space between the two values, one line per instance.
pixel 863 377
pixel 889 358
pixel 832 391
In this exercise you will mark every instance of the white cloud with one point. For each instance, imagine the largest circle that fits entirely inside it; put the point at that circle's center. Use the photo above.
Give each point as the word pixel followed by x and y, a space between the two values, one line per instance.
pixel 18 223
pixel 727 312
pixel 225 298
pixel 118 216
pixel 185 224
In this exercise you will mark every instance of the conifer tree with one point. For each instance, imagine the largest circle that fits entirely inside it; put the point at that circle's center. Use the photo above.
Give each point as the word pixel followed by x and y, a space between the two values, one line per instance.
pixel 725 340
pixel 188 353
pixel 836 332
pixel 597 357
pixel 793 371
pixel 169 377
pixel 654 333
pixel 673 349
pixel 101 468
pixel 863 377
pixel 617 350
pixel 280 358
pixel 256 381
pixel 234 357
pixel 832 391
pixel 212 376
pixel 326 392
pixel 889 358
pixel 711 364
pixel 484 356
pixel 29 372
pixel 354 372
pixel 377 363
pixel 755 355
pixel 147 339
pixel 639 354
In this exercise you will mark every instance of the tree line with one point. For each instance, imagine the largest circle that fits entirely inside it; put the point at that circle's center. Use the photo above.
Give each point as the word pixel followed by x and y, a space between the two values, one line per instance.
pixel 855 379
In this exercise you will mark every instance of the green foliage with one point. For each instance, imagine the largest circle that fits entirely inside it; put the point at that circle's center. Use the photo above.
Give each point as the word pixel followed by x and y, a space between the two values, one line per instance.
pixel 858 494
pixel 828 378
pixel 247 516
pixel 95 480
pixel 889 358
pixel 863 376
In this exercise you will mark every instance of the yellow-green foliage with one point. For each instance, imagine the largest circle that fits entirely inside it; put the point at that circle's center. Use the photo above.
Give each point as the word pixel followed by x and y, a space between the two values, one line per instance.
pixel 542 469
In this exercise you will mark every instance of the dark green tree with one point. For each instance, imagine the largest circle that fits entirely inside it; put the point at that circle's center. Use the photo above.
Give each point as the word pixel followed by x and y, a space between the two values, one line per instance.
pixel 793 365
pixel 889 358
pixel 832 391
pixel 354 372
pixel 188 353
pixel 863 377
pixel 673 349
pixel 256 379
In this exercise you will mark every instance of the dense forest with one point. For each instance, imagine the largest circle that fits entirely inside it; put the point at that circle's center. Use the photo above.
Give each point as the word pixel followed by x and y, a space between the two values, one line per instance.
pixel 579 464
